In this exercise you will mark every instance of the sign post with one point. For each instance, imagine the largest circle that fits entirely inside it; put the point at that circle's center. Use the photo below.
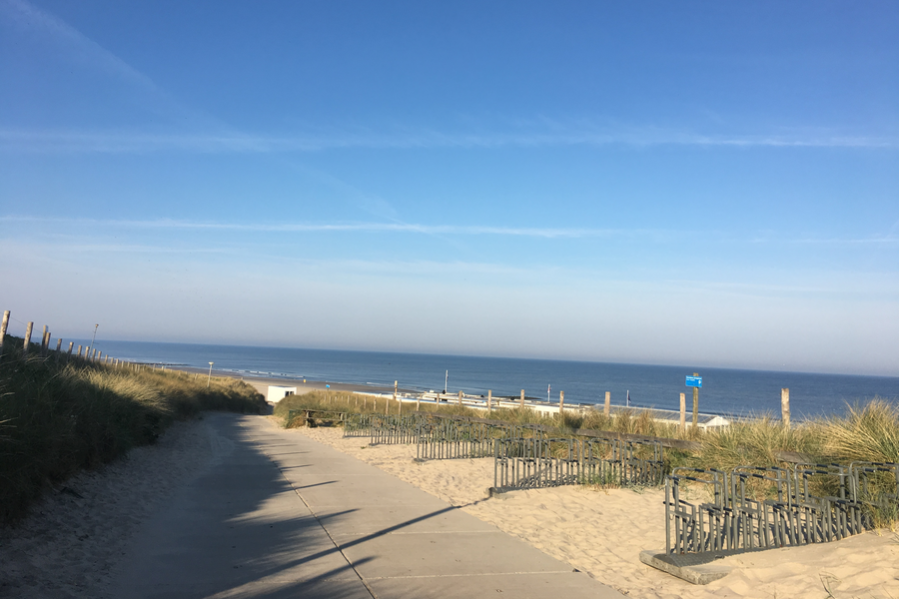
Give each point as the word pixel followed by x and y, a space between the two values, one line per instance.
pixel 695 381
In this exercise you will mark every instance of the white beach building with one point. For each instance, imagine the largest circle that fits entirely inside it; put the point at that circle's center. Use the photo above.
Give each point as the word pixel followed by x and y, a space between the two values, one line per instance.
pixel 278 392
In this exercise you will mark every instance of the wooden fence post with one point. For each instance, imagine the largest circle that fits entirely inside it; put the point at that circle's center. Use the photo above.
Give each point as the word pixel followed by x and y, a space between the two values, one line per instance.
pixel 418 402
pixel 521 402
pixel 71 345
pixel 79 351
pixel 683 412
pixel 561 401
pixel 785 406
pixel 460 397
pixel 28 329
pixel 45 342
pixel 489 400
pixel 695 404
pixel 394 389
pixel 3 328
pixel 607 410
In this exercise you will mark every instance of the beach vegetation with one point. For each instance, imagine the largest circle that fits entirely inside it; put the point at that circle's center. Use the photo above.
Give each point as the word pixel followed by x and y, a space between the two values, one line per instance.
pixel 867 432
pixel 60 415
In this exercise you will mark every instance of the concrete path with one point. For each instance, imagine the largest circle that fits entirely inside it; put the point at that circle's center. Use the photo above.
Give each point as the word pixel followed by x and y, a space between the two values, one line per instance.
pixel 279 515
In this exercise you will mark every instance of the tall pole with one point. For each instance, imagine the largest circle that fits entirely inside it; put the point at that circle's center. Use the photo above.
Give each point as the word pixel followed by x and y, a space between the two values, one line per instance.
pixel 695 404
pixel 94 337
pixel 209 380
pixel 445 381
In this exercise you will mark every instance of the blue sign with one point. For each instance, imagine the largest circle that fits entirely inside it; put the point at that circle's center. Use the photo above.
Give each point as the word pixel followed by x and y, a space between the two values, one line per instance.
pixel 694 381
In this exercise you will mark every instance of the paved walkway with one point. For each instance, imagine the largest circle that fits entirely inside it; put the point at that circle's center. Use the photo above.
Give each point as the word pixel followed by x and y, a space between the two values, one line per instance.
pixel 279 515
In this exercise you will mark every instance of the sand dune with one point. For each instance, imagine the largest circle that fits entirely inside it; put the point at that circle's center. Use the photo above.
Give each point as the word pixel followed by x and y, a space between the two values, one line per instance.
pixel 603 531
pixel 72 540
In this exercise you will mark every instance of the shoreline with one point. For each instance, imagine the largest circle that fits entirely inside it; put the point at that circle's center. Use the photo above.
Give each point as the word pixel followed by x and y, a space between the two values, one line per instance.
pixel 261 383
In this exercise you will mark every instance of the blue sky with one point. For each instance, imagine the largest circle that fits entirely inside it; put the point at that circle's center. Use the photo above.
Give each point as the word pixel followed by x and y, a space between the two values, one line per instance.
pixel 706 183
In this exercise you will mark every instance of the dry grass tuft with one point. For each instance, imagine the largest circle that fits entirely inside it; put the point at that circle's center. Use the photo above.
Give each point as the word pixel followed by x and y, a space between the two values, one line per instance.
pixel 59 417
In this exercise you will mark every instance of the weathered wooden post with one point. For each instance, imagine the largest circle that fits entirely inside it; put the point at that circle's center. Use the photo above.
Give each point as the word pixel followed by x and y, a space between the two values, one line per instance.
pixel 607 409
pixel 418 402
pixel 394 389
pixel 489 400
pixel 3 328
pixel 25 345
pixel 683 412
pixel 71 345
pixel 695 404
pixel 460 397
pixel 785 406
pixel 561 401
pixel 45 342
pixel 58 344
pixel 79 351
pixel 521 401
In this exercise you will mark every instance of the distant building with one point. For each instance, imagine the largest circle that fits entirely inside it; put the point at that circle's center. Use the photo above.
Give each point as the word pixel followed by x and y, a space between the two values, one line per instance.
pixel 278 392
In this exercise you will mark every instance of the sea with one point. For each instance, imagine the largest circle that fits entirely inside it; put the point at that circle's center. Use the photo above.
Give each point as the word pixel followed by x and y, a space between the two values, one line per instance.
pixel 729 392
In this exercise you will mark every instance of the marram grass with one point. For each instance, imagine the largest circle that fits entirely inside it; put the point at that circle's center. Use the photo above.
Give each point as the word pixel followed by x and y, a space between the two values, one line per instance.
pixel 866 432
pixel 59 417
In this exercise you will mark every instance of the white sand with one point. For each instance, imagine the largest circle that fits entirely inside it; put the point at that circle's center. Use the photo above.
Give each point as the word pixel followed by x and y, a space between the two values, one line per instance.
pixel 603 531
pixel 68 546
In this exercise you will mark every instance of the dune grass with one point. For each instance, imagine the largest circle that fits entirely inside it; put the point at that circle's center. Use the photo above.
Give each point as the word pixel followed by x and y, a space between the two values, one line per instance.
pixel 866 432
pixel 59 417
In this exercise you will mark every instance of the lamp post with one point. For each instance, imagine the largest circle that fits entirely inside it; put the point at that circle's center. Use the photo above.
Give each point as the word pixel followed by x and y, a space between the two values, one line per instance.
pixel 209 380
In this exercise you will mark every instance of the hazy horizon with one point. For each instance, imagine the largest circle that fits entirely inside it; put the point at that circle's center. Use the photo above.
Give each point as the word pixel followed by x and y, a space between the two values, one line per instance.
pixel 649 184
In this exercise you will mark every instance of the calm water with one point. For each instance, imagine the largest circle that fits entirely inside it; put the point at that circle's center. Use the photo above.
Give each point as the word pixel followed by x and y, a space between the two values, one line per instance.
pixel 723 391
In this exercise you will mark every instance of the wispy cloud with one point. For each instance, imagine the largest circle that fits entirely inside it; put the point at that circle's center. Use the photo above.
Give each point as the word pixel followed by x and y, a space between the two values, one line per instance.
pixel 72 45
pixel 373 227
pixel 123 142
pixel 76 45
pixel 888 239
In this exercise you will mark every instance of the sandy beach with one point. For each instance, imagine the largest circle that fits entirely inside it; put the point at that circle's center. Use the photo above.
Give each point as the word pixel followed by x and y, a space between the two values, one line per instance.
pixel 71 543
pixel 602 531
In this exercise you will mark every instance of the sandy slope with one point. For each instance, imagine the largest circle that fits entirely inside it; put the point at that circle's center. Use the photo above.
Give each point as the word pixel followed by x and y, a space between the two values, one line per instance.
pixel 69 544
pixel 603 531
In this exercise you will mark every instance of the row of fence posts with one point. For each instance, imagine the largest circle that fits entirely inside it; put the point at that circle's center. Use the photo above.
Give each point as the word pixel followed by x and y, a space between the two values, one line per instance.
pixel 607 407
pixel 90 353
